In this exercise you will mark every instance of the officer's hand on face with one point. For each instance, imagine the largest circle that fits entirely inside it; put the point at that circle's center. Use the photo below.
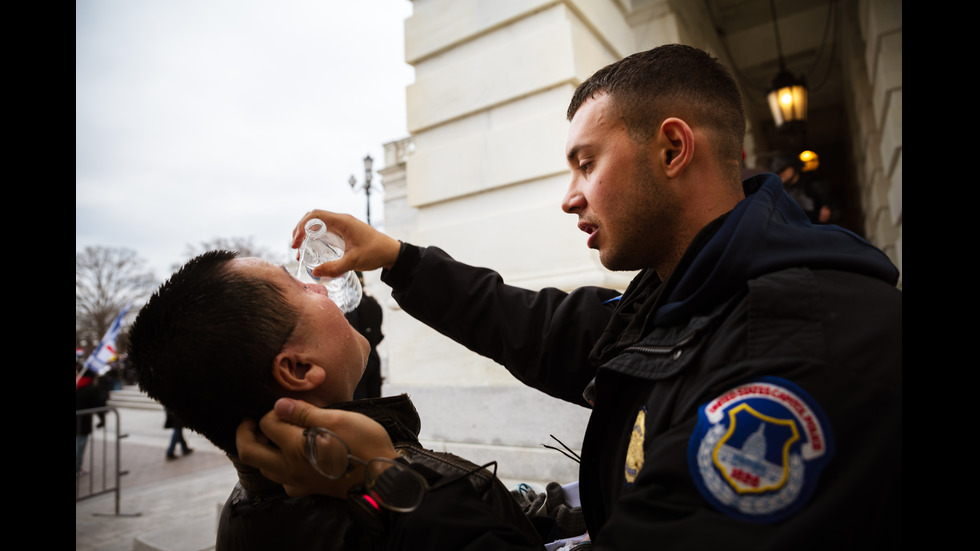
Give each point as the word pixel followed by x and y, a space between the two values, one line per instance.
pixel 365 248
pixel 277 447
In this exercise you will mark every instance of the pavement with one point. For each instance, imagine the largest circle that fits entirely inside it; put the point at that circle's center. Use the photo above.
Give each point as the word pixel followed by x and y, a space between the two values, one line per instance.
pixel 161 505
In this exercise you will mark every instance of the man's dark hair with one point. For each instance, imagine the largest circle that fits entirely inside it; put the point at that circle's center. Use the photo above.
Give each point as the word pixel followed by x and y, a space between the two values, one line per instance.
pixel 673 80
pixel 205 342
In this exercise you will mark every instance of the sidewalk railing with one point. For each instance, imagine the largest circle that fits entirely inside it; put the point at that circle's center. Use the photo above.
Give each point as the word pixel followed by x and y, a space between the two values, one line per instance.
pixel 102 468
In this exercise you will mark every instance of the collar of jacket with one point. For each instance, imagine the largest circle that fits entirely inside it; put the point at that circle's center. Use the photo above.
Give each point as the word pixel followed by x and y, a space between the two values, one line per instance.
pixel 397 414
pixel 633 317
pixel 765 232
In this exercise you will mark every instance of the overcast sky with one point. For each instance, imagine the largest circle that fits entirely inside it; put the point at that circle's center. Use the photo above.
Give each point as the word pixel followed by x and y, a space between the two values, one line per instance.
pixel 204 119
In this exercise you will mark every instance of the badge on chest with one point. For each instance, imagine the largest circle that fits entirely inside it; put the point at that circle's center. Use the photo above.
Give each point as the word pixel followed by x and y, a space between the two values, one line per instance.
pixel 634 454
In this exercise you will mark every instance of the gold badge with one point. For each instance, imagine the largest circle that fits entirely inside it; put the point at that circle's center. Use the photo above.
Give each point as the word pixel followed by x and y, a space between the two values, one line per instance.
pixel 634 455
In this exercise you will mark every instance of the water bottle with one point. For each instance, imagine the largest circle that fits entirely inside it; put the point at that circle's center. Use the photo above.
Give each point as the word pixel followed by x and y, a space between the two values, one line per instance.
pixel 322 246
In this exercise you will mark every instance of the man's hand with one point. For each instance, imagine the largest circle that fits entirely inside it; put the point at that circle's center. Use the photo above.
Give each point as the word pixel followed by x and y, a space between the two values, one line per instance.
pixel 365 248
pixel 277 446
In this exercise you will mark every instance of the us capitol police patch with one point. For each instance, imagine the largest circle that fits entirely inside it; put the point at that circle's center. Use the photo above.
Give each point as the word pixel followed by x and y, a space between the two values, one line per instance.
pixel 758 449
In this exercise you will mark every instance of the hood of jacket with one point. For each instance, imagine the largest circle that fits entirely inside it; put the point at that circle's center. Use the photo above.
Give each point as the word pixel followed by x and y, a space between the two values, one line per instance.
pixel 765 232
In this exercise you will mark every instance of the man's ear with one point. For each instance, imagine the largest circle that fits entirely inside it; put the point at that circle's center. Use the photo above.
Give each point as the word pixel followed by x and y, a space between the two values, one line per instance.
pixel 676 140
pixel 296 373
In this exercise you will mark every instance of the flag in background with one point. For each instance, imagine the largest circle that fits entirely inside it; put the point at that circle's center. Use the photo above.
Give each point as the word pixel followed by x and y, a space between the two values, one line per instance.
pixel 98 362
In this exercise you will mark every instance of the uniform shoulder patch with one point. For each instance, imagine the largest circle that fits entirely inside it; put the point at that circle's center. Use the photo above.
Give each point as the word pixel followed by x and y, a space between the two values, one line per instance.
pixel 758 449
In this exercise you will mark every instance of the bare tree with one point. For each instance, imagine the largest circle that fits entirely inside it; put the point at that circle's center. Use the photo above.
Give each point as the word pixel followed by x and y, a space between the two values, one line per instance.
pixel 106 279
pixel 243 245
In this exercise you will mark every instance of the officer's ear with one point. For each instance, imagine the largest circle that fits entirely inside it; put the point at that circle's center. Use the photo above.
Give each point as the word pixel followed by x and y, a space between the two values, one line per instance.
pixel 675 140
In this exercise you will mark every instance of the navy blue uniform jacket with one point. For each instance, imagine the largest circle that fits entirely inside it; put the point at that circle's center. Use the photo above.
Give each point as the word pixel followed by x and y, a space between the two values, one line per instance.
pixel 752 400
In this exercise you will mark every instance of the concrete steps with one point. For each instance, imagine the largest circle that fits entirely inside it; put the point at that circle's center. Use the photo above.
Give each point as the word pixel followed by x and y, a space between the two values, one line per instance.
pixel 132 397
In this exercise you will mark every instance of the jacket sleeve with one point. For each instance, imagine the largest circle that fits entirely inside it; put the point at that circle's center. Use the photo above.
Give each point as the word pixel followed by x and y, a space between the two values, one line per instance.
pixel 542 337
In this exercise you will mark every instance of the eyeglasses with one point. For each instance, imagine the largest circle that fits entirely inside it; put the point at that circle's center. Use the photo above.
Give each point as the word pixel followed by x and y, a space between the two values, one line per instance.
pixel 391 484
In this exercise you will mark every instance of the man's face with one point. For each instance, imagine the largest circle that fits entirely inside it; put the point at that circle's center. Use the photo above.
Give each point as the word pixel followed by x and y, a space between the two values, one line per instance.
pixel 322 331
pixel 620 201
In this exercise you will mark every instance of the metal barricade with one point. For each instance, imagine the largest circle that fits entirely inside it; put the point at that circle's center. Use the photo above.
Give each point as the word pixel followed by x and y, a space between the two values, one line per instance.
pixel 103 457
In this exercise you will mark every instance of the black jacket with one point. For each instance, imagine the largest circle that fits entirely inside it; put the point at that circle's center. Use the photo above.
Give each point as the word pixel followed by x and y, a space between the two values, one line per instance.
pixel 259 516
pixel 89 395
pixel 752 400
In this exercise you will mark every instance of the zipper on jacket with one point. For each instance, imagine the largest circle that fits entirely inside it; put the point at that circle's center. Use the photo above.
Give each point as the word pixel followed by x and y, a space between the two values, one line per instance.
pixel 675 349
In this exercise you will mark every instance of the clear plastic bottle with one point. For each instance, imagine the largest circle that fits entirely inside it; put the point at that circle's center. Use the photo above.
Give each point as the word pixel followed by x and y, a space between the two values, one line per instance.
pixel 319 246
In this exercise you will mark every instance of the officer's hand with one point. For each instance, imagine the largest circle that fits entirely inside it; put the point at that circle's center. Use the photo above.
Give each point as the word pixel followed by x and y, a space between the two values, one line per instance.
pixel 365 248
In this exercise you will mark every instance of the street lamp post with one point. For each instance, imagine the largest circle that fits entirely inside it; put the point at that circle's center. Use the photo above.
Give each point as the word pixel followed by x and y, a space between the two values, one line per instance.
pixel 368 162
